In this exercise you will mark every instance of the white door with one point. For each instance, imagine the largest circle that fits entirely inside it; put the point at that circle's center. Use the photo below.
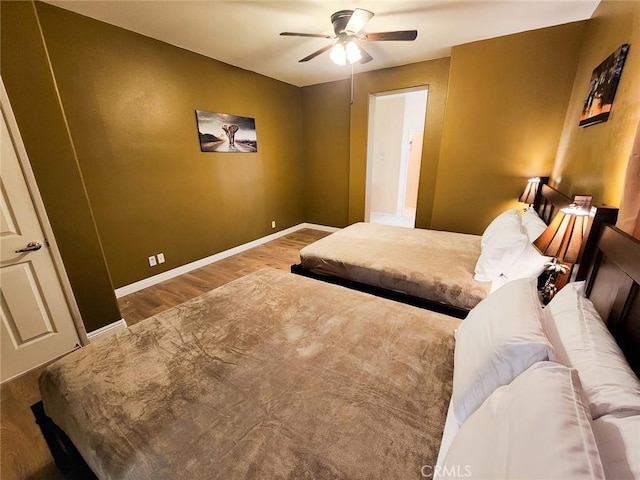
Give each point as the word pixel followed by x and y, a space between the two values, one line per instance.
pixel 37 323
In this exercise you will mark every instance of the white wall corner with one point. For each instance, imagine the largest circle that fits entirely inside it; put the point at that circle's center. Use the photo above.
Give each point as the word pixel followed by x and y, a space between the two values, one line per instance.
pixel 107 330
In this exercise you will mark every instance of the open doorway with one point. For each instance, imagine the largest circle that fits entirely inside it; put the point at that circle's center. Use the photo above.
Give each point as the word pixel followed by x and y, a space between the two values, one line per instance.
pixel 394 155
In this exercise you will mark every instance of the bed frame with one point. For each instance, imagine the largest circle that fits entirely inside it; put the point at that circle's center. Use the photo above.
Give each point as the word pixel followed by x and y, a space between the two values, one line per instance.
pixel 412 300
pixel 612 285
pixel 64 453
pixel 548 201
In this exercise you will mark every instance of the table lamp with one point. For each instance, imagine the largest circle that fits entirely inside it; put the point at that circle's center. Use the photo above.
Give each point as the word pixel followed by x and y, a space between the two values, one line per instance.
pixel 529 194
pixel 562 240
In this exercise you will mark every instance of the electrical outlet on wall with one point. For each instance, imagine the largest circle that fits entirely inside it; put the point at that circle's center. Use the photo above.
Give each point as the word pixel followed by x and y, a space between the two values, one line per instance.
pixel 152 261
pixel 273 224
pixel 160 257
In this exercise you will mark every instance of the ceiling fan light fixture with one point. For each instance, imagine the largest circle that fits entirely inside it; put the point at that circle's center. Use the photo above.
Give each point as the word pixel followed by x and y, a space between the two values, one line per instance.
pixel 338 54
pixel 348 26
pixel 357 20
pixel 353 52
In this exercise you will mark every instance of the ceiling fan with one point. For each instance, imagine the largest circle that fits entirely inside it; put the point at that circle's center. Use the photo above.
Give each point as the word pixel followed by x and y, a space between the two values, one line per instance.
pixel 348 25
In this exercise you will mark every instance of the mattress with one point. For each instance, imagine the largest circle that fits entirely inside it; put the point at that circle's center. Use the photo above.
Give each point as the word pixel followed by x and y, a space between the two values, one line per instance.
pixel 271 376
pixel 428 264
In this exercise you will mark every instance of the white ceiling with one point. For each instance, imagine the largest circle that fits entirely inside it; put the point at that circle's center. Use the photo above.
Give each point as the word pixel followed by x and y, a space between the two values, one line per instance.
pixel 246 34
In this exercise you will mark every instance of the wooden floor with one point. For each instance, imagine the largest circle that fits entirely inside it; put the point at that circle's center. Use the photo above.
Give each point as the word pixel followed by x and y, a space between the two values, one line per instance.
pixel 23 452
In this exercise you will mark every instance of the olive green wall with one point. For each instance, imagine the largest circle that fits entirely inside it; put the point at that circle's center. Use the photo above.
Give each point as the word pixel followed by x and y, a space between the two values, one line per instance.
pixel 435 75
pixel 127 177
pixel 130 103
pixel 506 106
pixel 326 116
pixel 593 159
pixel 32 91
pixel 109 125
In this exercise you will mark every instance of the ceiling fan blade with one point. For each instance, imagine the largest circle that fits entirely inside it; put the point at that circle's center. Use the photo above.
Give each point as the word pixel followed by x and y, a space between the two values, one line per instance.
pixel 316 53
pixel 390 36
pixel 314 35
pixel 358 20
pixel 366 58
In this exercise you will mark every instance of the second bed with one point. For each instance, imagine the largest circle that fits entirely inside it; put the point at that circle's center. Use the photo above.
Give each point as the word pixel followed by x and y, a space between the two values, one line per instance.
pixel 438 270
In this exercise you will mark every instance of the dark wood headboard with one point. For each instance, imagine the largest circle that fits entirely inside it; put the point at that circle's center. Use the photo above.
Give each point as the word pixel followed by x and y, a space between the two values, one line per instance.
pixel 600 216
pixel 613 287
pixel 549 201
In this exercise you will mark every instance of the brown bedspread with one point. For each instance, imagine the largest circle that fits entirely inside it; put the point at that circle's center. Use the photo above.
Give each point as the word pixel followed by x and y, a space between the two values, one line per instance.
pixel 429 264
pixel 270 376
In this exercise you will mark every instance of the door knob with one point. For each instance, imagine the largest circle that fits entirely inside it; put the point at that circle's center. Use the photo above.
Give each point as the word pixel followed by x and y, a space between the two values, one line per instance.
pixel 31 247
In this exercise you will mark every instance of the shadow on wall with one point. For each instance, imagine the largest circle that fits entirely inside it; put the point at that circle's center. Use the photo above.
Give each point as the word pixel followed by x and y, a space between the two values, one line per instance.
pixel 629 216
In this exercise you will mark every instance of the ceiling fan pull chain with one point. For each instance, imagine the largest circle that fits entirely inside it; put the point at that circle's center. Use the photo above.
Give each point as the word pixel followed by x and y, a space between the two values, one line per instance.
pixel 352 84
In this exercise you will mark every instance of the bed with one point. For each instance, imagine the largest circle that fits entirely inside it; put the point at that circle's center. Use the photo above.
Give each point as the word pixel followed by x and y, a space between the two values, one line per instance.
pixel 442 271
pixel 240 383
pixel 593 328
pixel 279 376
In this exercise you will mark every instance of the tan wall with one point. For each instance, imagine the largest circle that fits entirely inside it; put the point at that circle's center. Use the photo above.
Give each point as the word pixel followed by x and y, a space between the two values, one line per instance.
pixel 130 102
pixel 325 121
pixel 31 90
pixel 505 110
pixel 593 159
pixel 415 105
pixel 386 158
pixel 435 74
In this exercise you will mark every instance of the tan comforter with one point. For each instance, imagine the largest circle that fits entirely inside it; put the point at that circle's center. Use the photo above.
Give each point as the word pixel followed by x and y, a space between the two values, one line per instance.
pixel 271 376
pixel 429 264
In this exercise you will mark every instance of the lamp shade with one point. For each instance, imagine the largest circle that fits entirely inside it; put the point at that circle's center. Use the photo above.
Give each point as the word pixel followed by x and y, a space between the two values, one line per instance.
pixel 564 235
pixel 529 194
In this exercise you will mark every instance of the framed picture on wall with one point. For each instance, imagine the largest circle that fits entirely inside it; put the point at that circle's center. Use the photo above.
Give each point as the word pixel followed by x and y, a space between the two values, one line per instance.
pixel 602 88
pixel 221 132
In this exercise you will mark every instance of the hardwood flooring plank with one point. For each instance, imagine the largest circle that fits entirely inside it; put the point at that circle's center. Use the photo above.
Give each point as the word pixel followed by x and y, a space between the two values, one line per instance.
pixel 25 454
pixel 280 253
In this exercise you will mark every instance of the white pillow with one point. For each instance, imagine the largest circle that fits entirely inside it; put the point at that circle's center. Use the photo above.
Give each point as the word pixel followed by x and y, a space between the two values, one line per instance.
pixel 530 264
pixel 618 439
pixel 499 255
pixel 498 224
pixel 582 341
pixel 497 283
pixel 537 427
pixel 533 225
pixel 501 337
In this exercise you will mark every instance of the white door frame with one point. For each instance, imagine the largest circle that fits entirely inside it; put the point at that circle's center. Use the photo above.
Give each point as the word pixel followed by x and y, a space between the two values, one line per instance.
pixel 404 168
pixel 370 127
pixel 369 167
pixel 38 203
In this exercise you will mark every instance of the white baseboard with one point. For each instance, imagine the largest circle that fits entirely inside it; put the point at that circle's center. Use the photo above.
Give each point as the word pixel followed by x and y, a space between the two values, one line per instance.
pixel 161 277
pixel 315 226
pixel 107 330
